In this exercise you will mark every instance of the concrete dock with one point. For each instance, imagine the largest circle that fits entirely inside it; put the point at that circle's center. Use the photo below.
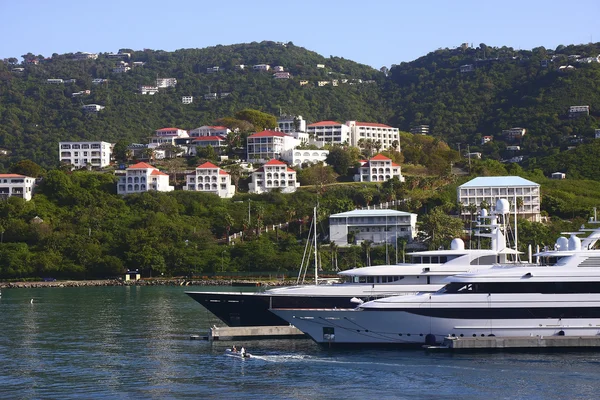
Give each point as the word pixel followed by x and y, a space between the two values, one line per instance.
pixel 254 332
pixel 517 342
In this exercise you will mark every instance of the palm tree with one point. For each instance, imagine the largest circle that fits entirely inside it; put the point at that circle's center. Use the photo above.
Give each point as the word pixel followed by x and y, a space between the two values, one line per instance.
pixel 377 145
pixel 148 154
pixel 366 247
pixel 333 248
pixel 235 171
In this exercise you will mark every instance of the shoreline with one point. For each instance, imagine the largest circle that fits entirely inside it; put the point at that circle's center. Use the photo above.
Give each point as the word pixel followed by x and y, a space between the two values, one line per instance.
pixel 144 282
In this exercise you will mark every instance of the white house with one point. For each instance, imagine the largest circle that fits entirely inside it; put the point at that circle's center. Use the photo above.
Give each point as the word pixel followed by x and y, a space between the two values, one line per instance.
pixel 282 75
pixel 298 157
pixel 92 108
pixel 261 67
pixel 151 90
pixel 378 169
pixel 210 130
pixel 98 81
pixel 381 133
pixel 166 136
pixel 14 185
pixel 54 81
pixel 166 82
pixel 278 68
pixel 210 178
pixel 486 139
pixel 291 123
pixel 119 69
pixel 216 142
pixel 489 189
pixel 80 154
pixel 187 99
pixel 378 226
pixel 265 145
pixel 143 177
pixel 273 175
pixel 578 111
pixel 514 133
pixel 558 175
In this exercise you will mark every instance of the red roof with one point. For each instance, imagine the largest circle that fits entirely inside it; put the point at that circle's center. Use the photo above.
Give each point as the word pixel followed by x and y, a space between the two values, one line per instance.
pixel 291 169
pixel 380 157
pixel 275 162
pixel 207 165
pixel 168 129
pixel 268 133
pixel 12 176
pixel 157 172
pixel 373 124
pixel 202 138
pixel 221 172
pixel 325 123
pixel 141 165
pixel 218 127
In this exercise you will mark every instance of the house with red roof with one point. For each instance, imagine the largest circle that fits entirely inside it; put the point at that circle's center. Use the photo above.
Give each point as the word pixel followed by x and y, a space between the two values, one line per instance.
pixel 143 177
pixel 166 136
pixel 212 179
pixel 210 130
pixel 15 185
pixel 330 132
pixel 378 169
pixel 266 145
pixel 216 142
pixel 351 132
pixel 274 174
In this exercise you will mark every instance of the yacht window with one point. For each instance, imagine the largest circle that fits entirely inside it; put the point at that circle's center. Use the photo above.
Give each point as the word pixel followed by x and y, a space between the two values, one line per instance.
pixel 362 279
pixel 484 260
pixel 426 260
pixel 522 287
pixel 443 259
pixel 370 279
pixel 435 259
pixel 384 279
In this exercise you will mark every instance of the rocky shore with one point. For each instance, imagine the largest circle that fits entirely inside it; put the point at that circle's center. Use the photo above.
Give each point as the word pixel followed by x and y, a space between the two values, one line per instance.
pixel 145 282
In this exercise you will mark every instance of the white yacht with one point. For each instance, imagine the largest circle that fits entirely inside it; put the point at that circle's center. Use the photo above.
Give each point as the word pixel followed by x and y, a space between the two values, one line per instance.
pixel 504 301
pixel 425 273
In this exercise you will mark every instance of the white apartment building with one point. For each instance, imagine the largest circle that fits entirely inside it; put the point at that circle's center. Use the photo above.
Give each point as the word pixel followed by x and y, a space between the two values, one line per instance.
pixel 266 145
pixel 282 75
pixel 216 142
pixel 187 99
pixel 212 179
pixel 384 134
pixel 143 177
pixel 92 108
pixel 55 81
pixel 298 157
pixel 209 130
pixel 514 133
pixel 378 226
pixel 151 90
pixel 578 111
pixel 98 81
pixel 15 185
pixel 273 175
pixel 81 154
pixel 378 169
pixel 82 55
pixel 420 130
pixel 119 69
pixel 278 68
pixel 330 132
pixel 166 82
pixel 291 123
pixel 489 189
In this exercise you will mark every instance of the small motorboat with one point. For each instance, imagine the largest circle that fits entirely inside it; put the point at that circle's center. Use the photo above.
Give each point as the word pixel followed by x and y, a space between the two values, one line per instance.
pixel 238 354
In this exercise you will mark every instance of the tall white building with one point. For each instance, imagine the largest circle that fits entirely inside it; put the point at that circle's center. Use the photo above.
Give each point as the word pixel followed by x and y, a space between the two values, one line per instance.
pixel 15 185
pixel 265 145
pixel 378 226
pixel 166 136
pixel 143 177
pixel 81 154
pixel 291 123
pixel 92 108
pixel 378 169
pixel 210 130
pixel 273 175
pixel 381 133
pixel 330 132
pixel 166 82
pixel 212 179
pixel 298 157
pixel 489 189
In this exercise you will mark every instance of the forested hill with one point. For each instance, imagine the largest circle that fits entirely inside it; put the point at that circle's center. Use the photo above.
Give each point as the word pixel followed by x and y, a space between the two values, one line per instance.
pixel 505 88
pixel 499 89
pixel 35 115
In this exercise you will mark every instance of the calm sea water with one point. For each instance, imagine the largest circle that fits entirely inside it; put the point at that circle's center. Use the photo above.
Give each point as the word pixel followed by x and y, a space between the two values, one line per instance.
pixel 133 342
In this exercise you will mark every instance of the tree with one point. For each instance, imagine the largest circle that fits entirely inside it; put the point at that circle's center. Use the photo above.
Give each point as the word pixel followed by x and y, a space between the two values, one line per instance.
pixel 439 228
pixel 318 175
pixel 340 159
pixel 235 171
pixel 120 151
pixel 259 119
pixel 27 168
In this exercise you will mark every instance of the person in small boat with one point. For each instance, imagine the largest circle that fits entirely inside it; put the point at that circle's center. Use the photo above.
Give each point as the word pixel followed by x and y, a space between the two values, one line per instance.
pixel 243 351
pixel 233 349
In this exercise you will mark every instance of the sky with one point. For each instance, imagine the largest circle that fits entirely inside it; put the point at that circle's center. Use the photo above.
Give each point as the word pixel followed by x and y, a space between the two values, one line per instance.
pixel 378 34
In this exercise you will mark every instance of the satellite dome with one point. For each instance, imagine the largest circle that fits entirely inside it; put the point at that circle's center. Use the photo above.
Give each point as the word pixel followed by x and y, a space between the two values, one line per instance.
pixel 574 243
pixel 457 244
pixel 502 206
pixel 562 244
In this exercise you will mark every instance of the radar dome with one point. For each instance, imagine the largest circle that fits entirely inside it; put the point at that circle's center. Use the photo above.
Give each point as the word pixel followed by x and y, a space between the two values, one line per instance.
pixel 562 244
pixel 457 244
pixel 574 243
pixel 503 206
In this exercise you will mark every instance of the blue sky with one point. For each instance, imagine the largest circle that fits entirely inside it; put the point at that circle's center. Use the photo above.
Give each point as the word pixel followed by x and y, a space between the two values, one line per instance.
pixel 381 33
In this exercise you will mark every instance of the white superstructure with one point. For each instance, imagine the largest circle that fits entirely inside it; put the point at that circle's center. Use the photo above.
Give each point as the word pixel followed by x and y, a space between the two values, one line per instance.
pixel 81 154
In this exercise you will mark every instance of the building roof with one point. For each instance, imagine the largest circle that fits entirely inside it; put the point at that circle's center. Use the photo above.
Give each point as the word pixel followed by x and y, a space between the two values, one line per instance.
pixel 325 123
pixel 207 165
pixel 371 213
pixel 141 165
pixel 168 129
pixel 268 133
pixel 12 176
pixel 221 172
pixel 380 157
pixel 498 181
pixel 373 124
pixel 275 162
pixel 157 172
pixel 217 127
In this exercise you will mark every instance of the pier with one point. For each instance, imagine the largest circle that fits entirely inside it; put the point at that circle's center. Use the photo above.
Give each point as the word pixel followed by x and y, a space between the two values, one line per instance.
pixel 251 333
pixel 517 342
